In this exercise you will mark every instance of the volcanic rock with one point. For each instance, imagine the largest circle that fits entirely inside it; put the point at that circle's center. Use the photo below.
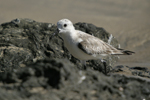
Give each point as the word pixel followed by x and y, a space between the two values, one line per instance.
pixel 35 65
pixel 24 40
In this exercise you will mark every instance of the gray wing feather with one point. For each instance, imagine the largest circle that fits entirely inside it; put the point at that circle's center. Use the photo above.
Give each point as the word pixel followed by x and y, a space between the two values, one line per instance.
pixel 92 45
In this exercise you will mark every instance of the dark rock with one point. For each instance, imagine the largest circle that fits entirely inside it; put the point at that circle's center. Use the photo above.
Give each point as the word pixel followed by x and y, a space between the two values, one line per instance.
pixel 57 79
pixel 118 68
pixel 36 66
pixel 24 41
pixel 136 71
pixel 140 71
pixel 139 68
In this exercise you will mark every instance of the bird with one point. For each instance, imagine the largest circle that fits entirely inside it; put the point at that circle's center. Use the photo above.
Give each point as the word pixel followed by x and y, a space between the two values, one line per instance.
pixel 84 46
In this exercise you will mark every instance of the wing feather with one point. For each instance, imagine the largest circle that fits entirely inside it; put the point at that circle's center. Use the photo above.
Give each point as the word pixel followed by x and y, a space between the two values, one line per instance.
pixel 92 45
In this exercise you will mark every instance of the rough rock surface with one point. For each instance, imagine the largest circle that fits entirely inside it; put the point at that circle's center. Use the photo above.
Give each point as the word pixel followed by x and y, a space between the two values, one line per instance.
pixel 36 66
pixel 25 40
pixel 60 80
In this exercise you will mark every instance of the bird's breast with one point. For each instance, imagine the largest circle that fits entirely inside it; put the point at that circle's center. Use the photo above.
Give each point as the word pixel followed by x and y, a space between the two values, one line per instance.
pixel 75 51
pixel 71 45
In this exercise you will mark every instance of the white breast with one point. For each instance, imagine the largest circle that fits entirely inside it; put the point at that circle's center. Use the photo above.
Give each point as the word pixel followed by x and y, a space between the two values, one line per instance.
pixel 71 45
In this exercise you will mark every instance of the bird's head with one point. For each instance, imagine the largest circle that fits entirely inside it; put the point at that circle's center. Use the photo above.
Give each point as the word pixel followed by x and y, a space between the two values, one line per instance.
pixel 65 26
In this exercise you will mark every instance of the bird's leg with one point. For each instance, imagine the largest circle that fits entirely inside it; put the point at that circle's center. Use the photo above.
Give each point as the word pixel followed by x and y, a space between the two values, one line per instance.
pixel 83 63
pixel 104 63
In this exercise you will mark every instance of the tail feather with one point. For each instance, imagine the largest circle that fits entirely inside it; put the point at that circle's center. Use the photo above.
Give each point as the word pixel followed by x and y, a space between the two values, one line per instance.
pixel 126 52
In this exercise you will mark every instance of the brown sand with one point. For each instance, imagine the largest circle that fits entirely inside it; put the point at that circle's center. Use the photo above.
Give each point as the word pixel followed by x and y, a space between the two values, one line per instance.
pixel 128 21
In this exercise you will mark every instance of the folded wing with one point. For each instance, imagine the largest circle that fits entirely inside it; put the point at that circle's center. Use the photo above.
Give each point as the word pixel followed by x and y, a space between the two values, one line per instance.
pixel 94 46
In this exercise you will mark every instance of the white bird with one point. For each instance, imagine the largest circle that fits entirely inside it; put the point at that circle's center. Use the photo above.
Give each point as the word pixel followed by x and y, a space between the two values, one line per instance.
pixel 84 46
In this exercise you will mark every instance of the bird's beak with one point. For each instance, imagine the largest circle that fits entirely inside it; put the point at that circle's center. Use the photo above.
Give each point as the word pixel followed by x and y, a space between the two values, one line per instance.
pixel 57 31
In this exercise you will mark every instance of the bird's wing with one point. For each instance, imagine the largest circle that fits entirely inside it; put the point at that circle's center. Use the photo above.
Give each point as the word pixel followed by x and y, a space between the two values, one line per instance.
pixel 92 45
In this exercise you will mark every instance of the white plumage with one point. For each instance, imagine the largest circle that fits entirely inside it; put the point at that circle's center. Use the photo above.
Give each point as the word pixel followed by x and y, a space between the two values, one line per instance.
pixel 84 46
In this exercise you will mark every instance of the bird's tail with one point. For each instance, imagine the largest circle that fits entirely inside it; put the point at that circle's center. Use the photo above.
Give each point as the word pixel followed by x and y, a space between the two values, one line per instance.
pixel 126 52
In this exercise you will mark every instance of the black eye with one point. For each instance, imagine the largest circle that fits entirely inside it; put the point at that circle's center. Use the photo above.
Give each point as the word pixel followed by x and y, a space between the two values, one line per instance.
pixel 65 25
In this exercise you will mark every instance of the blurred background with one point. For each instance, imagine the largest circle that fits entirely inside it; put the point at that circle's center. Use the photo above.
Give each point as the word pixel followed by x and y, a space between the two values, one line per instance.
pixel 127 20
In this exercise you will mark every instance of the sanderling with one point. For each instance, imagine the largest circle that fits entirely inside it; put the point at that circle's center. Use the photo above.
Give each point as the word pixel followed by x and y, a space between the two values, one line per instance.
pixel 84 46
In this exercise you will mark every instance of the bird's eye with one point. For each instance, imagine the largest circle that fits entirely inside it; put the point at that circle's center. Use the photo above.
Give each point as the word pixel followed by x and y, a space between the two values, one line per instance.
pixel 65 25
